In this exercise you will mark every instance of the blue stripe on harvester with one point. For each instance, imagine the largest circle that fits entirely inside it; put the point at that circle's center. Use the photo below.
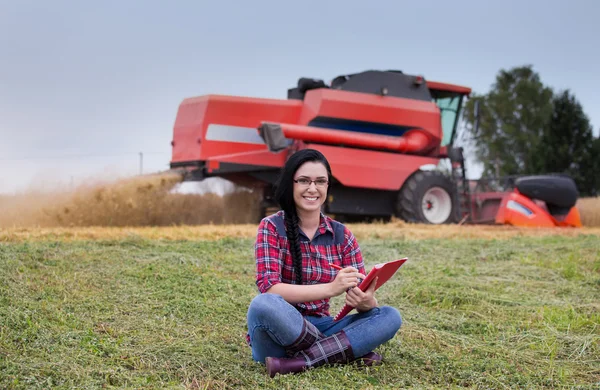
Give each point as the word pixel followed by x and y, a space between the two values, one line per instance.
pixel 361 127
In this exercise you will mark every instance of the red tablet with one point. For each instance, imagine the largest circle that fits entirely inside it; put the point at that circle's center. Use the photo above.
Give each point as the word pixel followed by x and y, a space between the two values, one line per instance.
pixel 383 272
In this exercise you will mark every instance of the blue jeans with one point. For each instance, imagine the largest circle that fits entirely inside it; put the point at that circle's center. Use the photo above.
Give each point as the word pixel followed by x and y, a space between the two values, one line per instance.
pixel 274 324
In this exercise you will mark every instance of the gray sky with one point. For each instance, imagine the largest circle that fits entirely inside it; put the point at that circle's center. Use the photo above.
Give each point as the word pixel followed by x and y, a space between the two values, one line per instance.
pixel 85 86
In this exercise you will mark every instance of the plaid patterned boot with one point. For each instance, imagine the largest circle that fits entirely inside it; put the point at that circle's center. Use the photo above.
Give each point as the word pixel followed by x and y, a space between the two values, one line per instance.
pixel 333 349
pixel 309 335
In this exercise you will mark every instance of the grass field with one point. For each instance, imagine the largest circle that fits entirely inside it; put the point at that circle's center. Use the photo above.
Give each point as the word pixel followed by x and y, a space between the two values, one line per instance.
pixel 483 307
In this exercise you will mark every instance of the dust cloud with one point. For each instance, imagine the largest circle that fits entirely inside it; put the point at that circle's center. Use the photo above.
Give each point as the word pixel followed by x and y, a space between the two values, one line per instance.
pixel 137 201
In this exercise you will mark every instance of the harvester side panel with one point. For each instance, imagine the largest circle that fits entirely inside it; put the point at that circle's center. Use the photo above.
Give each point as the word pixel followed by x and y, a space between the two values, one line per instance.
pixel 322 105
pixel 258 158
pixel 187 135
pixel 196 114
pixel 371 169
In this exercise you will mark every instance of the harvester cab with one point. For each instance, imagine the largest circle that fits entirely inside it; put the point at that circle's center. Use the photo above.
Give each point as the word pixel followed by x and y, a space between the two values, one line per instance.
pixel 383 132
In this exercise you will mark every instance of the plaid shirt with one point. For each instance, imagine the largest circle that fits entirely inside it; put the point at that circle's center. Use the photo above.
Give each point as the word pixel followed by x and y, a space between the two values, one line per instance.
pixel 332 243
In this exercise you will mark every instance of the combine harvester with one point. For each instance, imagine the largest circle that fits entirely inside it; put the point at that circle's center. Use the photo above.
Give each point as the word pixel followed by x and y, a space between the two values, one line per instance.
pixel 384 134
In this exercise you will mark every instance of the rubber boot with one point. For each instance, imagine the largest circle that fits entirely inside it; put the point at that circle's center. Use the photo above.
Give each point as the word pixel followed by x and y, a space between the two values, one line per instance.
pixel 309 335
pixel 329 350
pixel 370 359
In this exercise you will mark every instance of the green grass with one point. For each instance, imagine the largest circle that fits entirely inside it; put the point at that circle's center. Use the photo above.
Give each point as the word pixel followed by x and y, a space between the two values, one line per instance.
pixel 518 313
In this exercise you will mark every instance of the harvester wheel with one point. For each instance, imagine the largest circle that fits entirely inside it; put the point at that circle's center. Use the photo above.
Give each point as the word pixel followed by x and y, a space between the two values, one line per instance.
pixel 427 197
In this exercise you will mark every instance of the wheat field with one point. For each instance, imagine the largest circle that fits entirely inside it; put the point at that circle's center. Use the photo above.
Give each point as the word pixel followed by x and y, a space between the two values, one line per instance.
pixel 144 206
pixel 589 208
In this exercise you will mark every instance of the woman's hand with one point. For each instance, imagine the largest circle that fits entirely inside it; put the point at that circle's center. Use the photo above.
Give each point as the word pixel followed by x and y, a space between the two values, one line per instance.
pixel 362 300
pixel 345 279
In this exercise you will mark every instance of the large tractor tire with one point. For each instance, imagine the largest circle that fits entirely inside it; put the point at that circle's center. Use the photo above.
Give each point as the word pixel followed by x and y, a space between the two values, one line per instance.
pixel 428 197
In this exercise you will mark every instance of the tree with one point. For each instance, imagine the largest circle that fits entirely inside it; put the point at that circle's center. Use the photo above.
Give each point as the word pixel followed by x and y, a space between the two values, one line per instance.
pixel 513 116
pixel 525 129
pixel 567 144
pixel 596 166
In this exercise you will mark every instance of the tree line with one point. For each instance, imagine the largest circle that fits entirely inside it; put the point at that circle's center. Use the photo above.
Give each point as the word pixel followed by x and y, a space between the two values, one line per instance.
pixel 526 128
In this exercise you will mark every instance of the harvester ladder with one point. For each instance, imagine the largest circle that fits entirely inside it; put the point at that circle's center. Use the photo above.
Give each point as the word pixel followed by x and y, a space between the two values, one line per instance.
pixel 464 195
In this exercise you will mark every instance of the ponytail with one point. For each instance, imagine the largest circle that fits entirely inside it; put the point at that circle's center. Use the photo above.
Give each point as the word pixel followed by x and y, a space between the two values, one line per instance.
pixel 291 227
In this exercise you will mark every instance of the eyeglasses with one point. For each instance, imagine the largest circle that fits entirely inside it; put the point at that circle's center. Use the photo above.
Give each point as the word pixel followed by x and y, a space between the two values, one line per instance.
pixel 307 182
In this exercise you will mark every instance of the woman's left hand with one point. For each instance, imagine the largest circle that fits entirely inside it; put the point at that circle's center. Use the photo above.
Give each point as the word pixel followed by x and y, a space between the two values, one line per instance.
pixel 362 300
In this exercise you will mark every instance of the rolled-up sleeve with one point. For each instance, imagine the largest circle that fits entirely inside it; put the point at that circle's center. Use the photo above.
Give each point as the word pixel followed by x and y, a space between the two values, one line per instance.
pixel 268 256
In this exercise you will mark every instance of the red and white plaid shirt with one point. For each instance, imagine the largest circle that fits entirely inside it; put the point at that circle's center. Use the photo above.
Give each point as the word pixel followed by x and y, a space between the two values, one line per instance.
pixel 333 243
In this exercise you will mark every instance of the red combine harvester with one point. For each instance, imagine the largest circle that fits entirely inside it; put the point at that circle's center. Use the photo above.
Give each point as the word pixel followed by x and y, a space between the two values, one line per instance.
pixel 384 134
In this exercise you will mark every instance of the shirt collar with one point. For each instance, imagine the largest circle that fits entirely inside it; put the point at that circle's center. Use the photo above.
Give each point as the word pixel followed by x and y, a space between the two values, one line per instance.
pixel 324 225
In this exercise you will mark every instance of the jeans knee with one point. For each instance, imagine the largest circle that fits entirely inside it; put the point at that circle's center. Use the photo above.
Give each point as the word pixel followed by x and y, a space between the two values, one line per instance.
pixel 262 305
pixel 393 319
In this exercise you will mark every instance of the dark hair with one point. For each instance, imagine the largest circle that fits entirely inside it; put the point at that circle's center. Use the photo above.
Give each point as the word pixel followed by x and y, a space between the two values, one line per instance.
pixel 284 195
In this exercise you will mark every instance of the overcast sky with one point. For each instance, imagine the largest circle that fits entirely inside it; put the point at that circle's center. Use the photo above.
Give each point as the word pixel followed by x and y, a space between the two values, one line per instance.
pixel 86 86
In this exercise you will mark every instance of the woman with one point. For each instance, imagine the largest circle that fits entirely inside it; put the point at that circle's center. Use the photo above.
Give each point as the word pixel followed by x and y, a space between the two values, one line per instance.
pixel 289 325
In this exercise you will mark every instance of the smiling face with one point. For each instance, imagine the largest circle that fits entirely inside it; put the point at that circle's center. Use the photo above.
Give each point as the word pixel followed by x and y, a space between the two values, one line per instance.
pixel 310 198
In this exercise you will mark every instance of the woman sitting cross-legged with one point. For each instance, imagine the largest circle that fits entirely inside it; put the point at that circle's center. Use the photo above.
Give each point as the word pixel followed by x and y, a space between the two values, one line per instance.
pixel 289 325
